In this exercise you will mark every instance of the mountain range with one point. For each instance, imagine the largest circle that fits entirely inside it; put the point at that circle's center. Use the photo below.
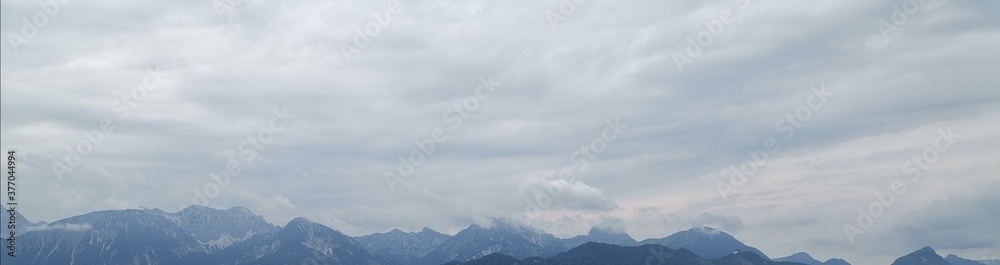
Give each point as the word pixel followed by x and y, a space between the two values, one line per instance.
pixel 805 258
pixel 928 256
pixel 236 236
pixel 956 260
pixel 602 235
pixel 497 236
pixel 705 242
pixel 402 247
pixel 593 253
pixel 300 242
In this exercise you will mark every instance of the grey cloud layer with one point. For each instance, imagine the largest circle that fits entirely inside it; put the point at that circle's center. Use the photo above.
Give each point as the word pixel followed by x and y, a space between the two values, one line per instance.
pixel 222 78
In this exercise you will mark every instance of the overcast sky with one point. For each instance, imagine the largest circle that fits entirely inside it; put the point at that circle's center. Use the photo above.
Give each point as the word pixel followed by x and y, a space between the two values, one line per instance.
pixel 665 97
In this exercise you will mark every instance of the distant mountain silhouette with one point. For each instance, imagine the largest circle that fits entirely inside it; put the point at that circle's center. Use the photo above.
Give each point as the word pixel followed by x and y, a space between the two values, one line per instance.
pixel 200 235
pixel 707 242
pixel 403 247
pixel 835 261
pixel 477 241
pixel 956 260
pixel 800 257
pixel 601 235
pixel 599 253
pixel 923 256
pixel 805 258
pixel 300 242
pixel 112 237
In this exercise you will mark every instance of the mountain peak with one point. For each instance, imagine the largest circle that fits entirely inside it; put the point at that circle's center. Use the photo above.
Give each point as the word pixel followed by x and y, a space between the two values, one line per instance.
pixel 197 208
pixel 303 223
pixel 706 230
pixel 702 232
pixel 300 221
pixel 601 234
pixel 488 236
pixel 303 241
pixel 836 261
pixel 604 230
pixel 800 257
pixel 923 256
pixel 240 209
pixel 705 241
pixel 428 231
pixel 217 228
pixel 404 247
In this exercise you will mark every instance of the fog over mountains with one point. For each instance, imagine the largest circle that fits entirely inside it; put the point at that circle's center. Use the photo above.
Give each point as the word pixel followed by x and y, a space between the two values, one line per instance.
pixel 236 236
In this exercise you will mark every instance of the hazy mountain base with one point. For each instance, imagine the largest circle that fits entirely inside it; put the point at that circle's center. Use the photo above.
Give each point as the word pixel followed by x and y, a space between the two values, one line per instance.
pixel 599 253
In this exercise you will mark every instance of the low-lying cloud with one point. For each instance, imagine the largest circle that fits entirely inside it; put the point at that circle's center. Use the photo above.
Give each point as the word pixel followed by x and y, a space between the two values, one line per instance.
pixel 63 227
